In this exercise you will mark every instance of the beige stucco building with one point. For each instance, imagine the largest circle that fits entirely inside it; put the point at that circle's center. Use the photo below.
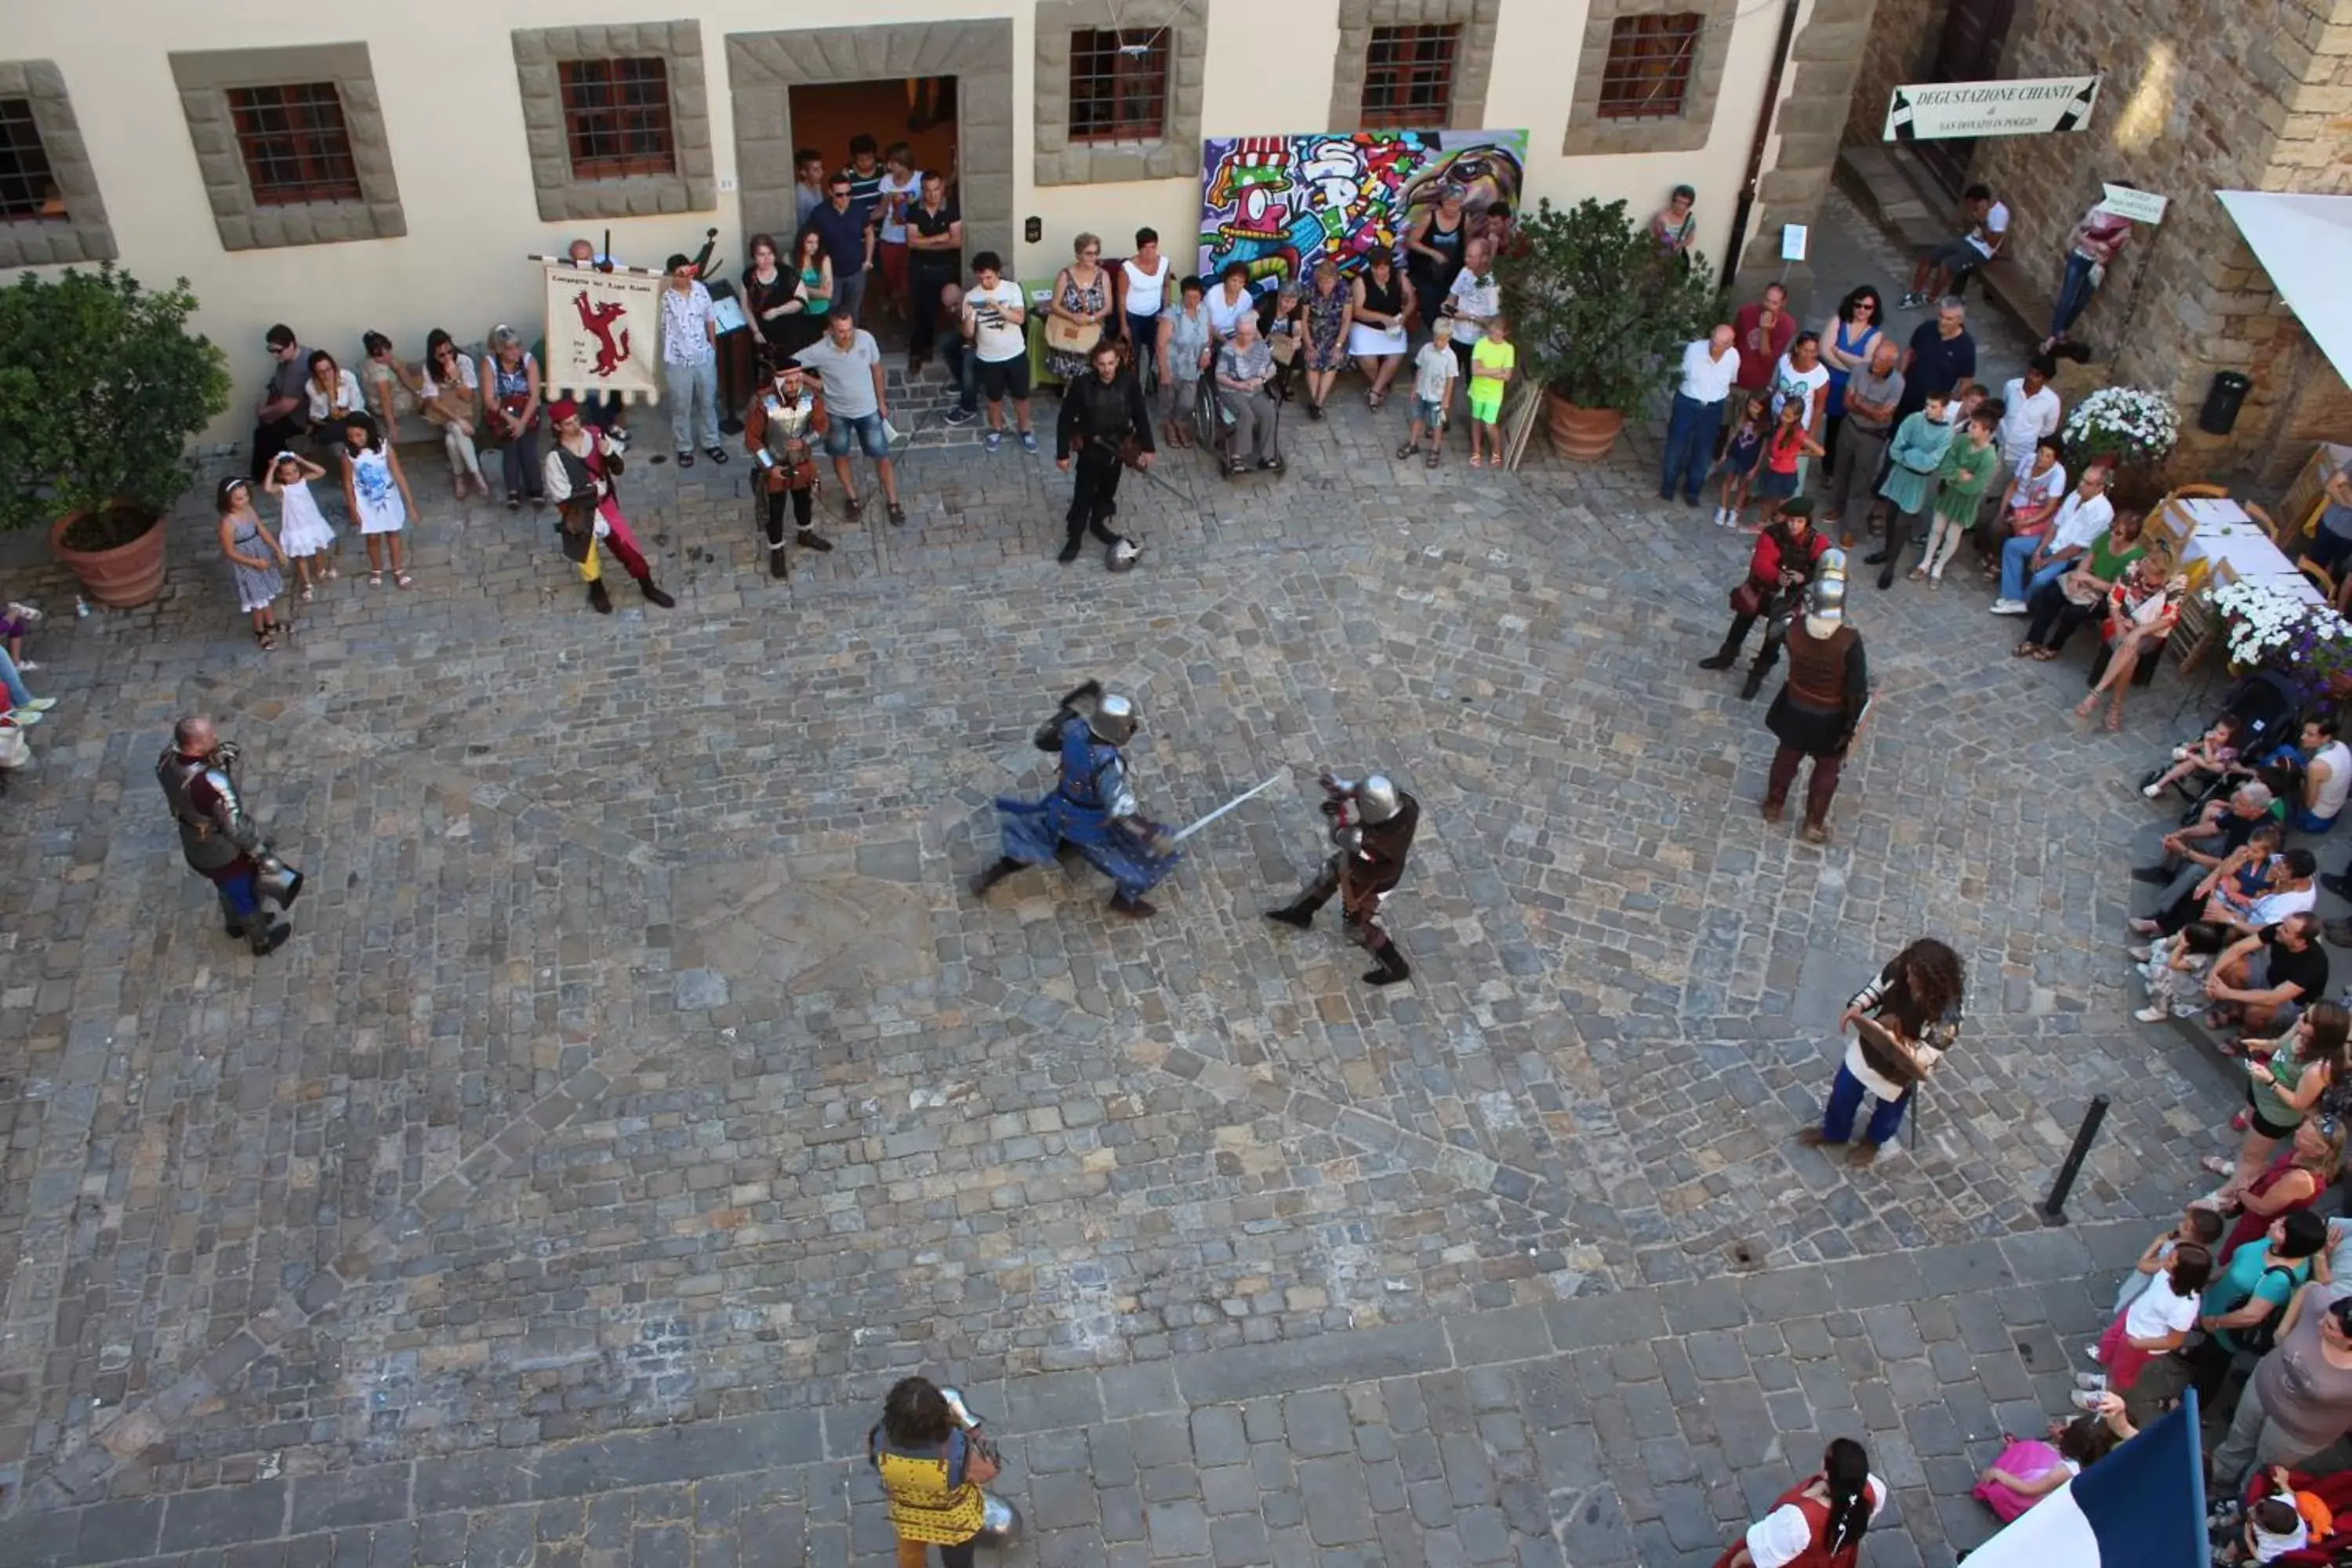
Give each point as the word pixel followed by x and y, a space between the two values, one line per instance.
pixel 130 132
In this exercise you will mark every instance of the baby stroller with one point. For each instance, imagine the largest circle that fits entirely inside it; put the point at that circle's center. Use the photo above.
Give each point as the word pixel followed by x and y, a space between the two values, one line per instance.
pixel 2268 718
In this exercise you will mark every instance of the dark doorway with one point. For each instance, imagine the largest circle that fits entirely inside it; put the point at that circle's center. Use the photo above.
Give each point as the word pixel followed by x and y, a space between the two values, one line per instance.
pixel 918 111
pixel 1974 32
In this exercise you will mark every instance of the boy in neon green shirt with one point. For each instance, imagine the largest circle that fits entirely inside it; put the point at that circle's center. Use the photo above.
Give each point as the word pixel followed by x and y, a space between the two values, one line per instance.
pixel 1493 360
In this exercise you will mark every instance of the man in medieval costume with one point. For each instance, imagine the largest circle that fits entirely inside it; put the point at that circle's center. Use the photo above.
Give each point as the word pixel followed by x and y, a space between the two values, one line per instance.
pixel 1373 824
pixel 1091 808
pixel 1107 423
pixel 222 845
pixel 582 464
pixel 1821 706
pixel 781 431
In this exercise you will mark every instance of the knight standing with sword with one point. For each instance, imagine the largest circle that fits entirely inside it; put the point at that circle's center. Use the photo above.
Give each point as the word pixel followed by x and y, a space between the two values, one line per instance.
pixel 1372 824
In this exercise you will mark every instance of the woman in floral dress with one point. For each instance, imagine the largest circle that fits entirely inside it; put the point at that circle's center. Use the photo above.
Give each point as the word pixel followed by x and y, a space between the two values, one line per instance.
pixel 1330 311
pixel 1082 297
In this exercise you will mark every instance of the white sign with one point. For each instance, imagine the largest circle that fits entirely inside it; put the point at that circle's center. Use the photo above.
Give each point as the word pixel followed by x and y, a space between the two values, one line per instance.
pixel 2020 107
pixel 2140 206
pixel 1792 242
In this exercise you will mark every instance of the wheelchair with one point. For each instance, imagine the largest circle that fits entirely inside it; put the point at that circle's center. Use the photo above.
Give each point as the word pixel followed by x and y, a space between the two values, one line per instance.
pixel 1213 427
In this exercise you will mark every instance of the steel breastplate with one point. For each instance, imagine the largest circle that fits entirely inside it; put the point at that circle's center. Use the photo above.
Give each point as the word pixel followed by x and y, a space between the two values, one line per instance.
pixel 788 423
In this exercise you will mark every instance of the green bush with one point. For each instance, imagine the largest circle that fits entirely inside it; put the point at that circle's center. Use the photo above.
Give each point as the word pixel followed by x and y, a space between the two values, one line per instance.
pixel 101 388
pixel 1600 316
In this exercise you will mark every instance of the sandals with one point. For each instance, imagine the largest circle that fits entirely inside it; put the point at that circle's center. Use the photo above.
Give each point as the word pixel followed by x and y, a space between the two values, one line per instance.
pixel 375 579
pixel 305 599
pixel 2082 708
pixel 2043 655
pixel 1404 450
pixel 1476 461
pixel 267 638
pixel 1430 461
pixel 1918 573
pixel 2023 650
pixel 853 509
pixel 686 459
pixel 2116 715
pixel 402 579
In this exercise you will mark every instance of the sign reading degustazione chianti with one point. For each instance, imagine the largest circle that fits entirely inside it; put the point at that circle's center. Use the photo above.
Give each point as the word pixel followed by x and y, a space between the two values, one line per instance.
pixel 2027 107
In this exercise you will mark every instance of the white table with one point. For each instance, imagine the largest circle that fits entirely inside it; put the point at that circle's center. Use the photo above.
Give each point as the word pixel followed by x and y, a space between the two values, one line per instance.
pixel 2222 533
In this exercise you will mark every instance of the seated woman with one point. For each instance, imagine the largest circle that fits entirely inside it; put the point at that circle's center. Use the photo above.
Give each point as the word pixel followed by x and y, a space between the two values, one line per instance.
pixel 2066 602
pixel 1281 322
pixel 2247 1295
pixel 2142 608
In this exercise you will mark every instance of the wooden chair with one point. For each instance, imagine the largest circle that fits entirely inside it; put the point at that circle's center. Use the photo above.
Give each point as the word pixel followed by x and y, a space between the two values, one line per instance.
pixel 2309 527
pixel 2187 493
pixel 2263 520
pixel 2319 577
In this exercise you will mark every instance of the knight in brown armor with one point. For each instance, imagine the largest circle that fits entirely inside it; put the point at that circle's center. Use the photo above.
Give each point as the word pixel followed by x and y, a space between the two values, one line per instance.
pixel 781 431
pixel 1821 707
pixel 1373 824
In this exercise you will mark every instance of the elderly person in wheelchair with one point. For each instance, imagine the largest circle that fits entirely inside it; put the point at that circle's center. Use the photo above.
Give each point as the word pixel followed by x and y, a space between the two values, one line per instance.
pixel 1251 416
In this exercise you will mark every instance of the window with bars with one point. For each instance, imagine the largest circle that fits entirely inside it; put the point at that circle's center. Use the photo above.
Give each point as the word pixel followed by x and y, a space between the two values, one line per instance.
pixel 296 146
pixel 1119 84
pixel 1648 72
pixel 616 118
pixel 27 190
pixel 1409 77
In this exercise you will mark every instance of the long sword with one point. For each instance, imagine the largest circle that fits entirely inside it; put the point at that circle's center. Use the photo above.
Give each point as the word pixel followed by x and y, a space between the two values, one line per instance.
pixel 1178 837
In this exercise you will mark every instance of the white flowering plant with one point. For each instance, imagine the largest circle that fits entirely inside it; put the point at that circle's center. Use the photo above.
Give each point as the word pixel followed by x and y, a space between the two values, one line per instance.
pixel 2126 425
pixel 2310 644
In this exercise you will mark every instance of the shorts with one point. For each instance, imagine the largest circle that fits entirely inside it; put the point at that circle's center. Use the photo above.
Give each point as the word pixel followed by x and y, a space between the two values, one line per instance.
pixel 1428 412
pixel 1003 378
pixel 1486 407
pixel 865 428
pixel 2263 1124
pixel 1771 485
pixel 2306 822
pixel 1730 468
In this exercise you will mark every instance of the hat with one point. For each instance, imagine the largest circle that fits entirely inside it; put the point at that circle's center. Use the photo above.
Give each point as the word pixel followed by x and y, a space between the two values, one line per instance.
pixel 1797 506
pixel 563 408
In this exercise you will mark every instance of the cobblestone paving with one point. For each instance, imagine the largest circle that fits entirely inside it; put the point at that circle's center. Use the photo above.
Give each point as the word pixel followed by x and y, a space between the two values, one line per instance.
pixel 642 1094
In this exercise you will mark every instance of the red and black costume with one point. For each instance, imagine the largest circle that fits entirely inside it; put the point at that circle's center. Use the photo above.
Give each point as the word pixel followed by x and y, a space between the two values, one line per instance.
pixel 1774 590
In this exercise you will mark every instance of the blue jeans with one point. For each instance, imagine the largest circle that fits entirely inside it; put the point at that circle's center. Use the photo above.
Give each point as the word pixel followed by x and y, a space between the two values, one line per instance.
pixel 2015 584
pixel 1845 1099
pixel 2304 821
pixel 1143 336
pixel 1690 446
pixel 2074 291
pixel 963 366
pixel 19 695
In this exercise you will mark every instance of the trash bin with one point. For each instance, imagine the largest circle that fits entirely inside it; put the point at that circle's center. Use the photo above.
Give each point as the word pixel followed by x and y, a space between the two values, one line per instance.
pixel 2223 401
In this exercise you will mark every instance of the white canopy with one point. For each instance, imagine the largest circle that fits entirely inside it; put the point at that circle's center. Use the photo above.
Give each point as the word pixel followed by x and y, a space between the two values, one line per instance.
pixel 2301 242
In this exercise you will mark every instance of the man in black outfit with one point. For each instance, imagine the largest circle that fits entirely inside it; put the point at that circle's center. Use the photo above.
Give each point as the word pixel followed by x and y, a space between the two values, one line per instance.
pixel 1100 414
pixel 283 410
pixel 934 260
pixel 1942 358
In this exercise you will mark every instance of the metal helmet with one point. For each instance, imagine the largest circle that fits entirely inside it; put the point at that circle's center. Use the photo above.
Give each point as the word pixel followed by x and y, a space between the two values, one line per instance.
pixel 1121 553
pixel 1825 600
pixel 1378 798
pixel 1114 718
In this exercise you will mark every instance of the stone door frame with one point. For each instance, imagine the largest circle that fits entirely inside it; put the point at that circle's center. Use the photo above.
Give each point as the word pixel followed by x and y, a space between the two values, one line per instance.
pixel 763 68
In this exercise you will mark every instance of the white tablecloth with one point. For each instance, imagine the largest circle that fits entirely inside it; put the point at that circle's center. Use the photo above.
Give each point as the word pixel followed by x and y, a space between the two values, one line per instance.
pixel 2226 535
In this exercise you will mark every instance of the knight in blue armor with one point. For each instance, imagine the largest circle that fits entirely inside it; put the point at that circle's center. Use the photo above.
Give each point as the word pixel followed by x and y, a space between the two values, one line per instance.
pixel 1091 809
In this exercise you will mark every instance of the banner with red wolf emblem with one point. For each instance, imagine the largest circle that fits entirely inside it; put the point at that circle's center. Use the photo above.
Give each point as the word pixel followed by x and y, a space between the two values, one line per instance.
pixel 603 332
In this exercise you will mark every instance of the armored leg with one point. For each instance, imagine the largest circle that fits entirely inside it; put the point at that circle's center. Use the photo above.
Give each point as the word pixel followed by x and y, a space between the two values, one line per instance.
pixel 1300 911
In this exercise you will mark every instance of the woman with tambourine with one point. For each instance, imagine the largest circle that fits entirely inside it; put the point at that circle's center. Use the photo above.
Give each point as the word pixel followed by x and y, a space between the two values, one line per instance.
pixel 1904 1021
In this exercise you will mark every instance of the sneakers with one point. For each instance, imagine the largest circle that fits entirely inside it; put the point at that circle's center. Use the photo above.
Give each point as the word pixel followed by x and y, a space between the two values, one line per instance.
pixel 958 416
pixel 995 440
pixel 2153 791
pixel 22 718
pixel 1028 440
pixel 2087 1402
pixel 2090 1382
pixel 2150 1015
pixel 19 610
pixel 40 705
pixel 2009 607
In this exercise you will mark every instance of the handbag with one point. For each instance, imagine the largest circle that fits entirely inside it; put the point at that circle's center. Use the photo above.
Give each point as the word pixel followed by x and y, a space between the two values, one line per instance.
pixel 1748 599
pixel 1072 337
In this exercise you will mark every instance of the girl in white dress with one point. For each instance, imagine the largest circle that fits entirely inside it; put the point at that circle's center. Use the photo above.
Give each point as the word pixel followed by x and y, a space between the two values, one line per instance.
pixel 303 531
pixel 378 494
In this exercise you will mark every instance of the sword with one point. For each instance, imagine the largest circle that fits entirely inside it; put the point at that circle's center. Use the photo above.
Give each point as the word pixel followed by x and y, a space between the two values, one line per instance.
pixel 1182 834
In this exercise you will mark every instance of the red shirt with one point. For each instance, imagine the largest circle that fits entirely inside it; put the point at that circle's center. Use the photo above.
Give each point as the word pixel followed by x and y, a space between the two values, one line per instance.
pixel 1758 355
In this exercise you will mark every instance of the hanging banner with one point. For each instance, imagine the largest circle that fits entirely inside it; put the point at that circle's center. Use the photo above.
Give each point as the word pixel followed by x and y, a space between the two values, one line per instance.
pixel 603 332
pixel 1281 204
pixel 2029 107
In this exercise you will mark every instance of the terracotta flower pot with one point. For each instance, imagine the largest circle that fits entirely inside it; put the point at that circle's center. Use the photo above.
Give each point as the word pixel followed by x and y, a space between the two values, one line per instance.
pixel 123 576
pixel 1583 434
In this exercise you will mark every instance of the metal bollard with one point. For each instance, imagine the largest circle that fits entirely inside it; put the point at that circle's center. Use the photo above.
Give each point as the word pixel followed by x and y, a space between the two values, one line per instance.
pixel 2053 1209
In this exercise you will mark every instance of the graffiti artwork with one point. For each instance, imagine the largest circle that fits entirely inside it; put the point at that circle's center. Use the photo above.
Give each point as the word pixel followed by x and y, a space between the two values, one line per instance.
pixel 1281 204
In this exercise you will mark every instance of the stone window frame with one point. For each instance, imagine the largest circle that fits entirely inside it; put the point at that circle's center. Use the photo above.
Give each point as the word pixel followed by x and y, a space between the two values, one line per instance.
pixel 1176 151
pixel 1688 132
pixel 1474 58
pixel 564 197
pixel 85 235
pixel 204 77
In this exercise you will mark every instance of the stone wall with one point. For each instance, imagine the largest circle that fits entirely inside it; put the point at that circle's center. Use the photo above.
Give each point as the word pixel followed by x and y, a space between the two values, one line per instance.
pixel 1902 38
pixel 2199 96
pixel 1818 81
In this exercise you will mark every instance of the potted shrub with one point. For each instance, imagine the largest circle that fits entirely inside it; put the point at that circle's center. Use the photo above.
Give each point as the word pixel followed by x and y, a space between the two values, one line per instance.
pixel 1600 316
pixel 101 388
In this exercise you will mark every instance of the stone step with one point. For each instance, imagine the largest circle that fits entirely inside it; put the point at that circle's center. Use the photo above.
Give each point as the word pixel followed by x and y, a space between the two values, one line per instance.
pixel 1896 188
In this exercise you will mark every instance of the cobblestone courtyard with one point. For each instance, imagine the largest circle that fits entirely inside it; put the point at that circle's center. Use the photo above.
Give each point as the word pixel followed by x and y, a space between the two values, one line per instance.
pixel 641 1094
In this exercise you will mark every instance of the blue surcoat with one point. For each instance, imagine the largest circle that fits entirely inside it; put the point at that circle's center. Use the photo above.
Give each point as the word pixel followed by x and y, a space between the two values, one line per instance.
pixel 1091 810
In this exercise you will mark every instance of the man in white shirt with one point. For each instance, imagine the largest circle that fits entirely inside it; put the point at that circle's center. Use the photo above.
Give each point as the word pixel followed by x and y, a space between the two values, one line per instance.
pixel 856 408
pixel 993 315
pixel 1476 300
pixel 2326 776
pixel 2030 412
pixel 2027 563
pixel 1708 365
pixel 1943 270
pixel 691 363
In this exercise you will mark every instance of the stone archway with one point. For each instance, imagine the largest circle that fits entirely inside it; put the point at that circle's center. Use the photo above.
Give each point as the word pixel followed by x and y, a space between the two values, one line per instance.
pixel 763 68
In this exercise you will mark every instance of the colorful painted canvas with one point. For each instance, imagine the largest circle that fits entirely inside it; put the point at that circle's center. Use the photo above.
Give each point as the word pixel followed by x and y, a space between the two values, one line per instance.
pixel 1281 204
